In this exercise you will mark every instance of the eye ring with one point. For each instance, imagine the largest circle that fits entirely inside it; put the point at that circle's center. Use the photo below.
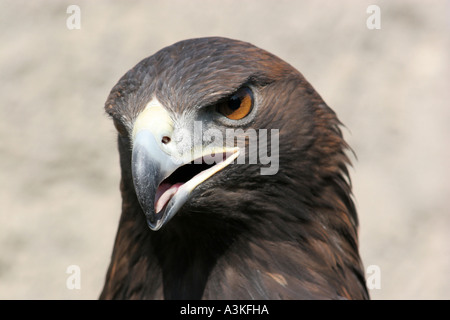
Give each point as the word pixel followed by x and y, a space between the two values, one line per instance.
pixel 238 106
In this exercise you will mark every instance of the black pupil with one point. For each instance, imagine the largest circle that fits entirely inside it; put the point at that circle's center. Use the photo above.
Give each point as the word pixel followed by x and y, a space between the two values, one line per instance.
pixel 234 103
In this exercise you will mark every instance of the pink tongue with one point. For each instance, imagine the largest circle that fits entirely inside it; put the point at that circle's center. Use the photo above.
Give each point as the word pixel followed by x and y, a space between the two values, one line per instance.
pixel 164 193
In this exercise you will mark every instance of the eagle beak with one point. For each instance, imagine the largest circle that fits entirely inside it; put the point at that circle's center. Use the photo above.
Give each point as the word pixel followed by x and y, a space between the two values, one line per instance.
pixel 162 179
pixel 150 166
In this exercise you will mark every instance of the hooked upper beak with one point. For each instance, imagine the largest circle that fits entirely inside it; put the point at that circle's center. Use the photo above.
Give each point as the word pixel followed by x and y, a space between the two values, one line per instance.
pixel 155 158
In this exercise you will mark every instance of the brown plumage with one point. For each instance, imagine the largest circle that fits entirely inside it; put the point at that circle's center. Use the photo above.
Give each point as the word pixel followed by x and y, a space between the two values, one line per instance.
pixel 238 234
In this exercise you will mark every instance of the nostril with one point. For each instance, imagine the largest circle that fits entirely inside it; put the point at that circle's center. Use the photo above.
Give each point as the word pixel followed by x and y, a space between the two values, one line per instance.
pixel 165 139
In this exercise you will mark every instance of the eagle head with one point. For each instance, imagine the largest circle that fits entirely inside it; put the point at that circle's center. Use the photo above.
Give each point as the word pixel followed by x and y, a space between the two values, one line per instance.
pixel 223 143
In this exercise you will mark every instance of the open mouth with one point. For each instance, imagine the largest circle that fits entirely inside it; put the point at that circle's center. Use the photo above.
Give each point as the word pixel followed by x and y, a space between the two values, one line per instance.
pixel 169 186
pixel 189 176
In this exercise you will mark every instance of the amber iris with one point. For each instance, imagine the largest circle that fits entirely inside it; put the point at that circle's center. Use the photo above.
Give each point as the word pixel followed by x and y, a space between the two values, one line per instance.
pixel 238 105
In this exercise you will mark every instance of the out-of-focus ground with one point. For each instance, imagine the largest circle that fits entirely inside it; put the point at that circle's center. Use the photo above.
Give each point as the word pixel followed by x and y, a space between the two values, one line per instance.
pixel 59 172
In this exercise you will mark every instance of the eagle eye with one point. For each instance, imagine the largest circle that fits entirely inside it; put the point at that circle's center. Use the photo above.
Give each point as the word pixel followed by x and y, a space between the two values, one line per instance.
pixel 238 105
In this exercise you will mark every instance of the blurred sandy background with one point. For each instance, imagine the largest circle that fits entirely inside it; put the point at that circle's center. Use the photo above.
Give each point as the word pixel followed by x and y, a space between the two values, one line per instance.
pixel 59 172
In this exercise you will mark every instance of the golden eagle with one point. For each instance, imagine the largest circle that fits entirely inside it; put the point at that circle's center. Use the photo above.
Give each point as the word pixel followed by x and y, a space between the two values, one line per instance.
pixel 194 228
